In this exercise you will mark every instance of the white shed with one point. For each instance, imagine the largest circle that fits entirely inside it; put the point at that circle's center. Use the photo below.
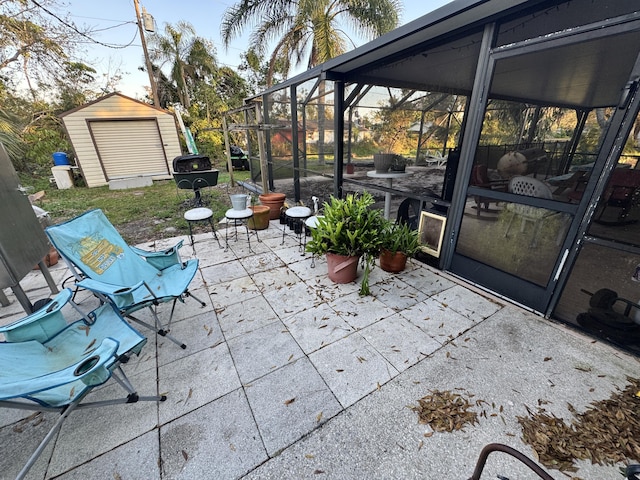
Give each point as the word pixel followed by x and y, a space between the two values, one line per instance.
pixel 117 137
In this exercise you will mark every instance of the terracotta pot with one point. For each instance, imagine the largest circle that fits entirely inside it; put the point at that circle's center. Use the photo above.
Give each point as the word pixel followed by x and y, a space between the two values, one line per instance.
pixel 50 258
pixel 342 269
pixel 392 262
pixel 260 219
pixel 274 201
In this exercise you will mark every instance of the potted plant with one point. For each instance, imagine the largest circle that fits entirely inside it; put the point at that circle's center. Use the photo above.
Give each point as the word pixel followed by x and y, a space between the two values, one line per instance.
pixel 382 161
pixel 400 163
pixel 348 231
pixel 261 215
pixel 399 241
pixel 390 139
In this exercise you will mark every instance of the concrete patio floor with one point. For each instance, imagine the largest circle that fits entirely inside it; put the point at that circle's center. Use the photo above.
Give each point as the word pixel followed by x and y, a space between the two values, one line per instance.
pixel 287 375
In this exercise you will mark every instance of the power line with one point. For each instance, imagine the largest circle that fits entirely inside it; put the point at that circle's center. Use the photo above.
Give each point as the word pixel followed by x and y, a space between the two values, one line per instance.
pixel 91 40
pixel 75 29
pixel 114 26
pixel 152 49
pixel 98 18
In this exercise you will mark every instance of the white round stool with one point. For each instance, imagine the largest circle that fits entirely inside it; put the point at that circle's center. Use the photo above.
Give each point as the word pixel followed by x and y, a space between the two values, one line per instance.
pixel 238 216
pixel 295 218
pixel 200 214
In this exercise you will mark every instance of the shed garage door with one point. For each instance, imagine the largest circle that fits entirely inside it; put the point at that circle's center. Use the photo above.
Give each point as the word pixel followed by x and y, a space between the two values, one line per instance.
pixel 129 148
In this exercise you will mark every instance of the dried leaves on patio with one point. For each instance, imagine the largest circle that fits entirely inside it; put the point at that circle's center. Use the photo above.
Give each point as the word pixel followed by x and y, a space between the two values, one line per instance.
pixel 608 432
pixel 445 411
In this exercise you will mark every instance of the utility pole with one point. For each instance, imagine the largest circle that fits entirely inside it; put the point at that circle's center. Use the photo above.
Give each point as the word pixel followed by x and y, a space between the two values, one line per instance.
pixel 152 80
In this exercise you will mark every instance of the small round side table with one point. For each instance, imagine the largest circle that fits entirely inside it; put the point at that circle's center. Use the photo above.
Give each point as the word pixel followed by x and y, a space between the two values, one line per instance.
pixel 295 217
pixel 238 217
pixel 200 214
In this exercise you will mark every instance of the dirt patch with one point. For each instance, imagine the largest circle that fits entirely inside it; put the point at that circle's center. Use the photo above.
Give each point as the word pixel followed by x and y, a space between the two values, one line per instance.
pixel 144 230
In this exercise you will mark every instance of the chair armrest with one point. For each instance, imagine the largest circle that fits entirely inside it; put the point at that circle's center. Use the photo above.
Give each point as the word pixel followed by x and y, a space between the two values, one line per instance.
pixel 120 295
pixel 40 325
pixel 161 259
pixel 92 370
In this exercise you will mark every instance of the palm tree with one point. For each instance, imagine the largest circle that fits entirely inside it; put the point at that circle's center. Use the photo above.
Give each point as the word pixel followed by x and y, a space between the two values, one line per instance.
pixel 307 28
pixel 10 135
pixel 190 56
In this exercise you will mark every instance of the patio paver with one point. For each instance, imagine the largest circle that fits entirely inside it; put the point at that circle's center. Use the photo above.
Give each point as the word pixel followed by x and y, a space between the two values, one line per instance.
pixel 287 376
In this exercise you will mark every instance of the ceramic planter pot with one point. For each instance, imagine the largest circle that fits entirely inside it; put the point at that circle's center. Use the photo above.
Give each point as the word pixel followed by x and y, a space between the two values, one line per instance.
pixel 342 269
pixel 260 219
pixel 382 161
pixel 274 201
pixel 392 262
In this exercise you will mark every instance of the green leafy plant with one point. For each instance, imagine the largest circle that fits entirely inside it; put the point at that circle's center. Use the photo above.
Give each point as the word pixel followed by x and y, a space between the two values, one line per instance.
pixel 401 161
pixel 350 227
pixel 400 237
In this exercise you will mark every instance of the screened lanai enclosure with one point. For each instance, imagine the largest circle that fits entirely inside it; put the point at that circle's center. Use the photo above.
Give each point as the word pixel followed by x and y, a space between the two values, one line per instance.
pixel 520 123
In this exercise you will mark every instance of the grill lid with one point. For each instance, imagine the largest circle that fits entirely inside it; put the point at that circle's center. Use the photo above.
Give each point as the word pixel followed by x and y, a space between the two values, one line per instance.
pixel 191 163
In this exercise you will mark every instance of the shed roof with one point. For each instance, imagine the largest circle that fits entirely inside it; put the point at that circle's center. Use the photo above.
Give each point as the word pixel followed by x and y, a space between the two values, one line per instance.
pixel 440 51
pixel 105 97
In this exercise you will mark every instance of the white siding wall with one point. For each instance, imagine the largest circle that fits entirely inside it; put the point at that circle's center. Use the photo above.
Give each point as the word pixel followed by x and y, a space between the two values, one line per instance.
pixel 117 107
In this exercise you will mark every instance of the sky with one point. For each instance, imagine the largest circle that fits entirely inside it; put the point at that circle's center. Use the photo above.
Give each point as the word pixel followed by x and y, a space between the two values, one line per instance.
pixel 114 26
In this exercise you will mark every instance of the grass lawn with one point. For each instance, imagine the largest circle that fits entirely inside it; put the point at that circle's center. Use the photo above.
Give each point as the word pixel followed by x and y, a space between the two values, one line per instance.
pixel 139 214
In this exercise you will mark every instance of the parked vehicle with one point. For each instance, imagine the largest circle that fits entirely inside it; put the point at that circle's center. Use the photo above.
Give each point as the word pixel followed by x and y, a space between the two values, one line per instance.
pixel 239 158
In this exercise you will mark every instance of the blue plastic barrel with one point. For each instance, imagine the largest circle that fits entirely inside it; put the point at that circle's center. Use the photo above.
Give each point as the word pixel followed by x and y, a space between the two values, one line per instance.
pixel 60 158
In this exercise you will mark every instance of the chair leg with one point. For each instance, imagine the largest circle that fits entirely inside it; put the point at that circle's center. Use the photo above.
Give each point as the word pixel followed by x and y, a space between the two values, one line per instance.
pixel 506 233
pixel 226 233
pixel 304 243
pixel 190 232
pixel 34 456
pixel 536 230
pixel 299 230
pixel 213 229
pixel 159 329
pixel 119 376
pixel 246 226
pixel 189 294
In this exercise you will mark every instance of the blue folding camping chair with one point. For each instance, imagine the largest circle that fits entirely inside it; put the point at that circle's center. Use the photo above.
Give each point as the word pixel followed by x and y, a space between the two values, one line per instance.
pixel 51 364
pixel 132 278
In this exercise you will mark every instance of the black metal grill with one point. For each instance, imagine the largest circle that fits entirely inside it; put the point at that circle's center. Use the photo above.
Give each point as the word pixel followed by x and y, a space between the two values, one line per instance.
pixel 193 172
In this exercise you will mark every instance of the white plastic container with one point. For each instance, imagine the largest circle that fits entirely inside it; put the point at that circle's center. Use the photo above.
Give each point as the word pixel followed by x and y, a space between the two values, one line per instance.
pixel 63 176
